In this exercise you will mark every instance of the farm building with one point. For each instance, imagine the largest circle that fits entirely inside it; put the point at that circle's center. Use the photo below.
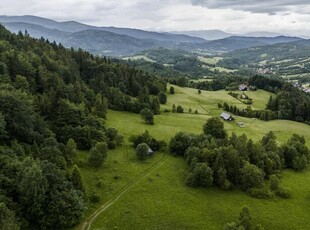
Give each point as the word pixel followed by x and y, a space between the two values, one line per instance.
pixel 150 151
pixel 226 116
pixel 243 87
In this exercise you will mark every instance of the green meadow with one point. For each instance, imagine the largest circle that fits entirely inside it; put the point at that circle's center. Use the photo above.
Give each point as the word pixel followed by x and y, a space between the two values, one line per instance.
pixel 154 194
pixel 210 60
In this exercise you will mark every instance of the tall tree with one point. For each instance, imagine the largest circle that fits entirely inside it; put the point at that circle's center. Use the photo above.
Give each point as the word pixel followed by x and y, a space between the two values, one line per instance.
pixel 147 116
pixel 101 106
pixel 71 149
pixel 162 98
pixel 155 106
pixel 215 127
pixel 77 179
pixel 98 154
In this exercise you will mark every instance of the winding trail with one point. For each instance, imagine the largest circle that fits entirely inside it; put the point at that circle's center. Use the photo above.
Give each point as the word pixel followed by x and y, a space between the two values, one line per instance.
pixel 88 223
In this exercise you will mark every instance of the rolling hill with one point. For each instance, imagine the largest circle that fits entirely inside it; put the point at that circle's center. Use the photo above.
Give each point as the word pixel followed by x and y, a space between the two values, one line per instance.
pixel 284 58
pixel 205 34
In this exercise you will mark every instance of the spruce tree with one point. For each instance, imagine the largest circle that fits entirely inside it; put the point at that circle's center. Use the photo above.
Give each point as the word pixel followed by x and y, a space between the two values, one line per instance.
pixel 71 149
pixel 155 106
pixel 77 180
pixel 101 106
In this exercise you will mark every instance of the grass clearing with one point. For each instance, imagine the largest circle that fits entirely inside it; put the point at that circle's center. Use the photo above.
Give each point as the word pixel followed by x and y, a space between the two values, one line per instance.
pixel 222 69
pixel 210 60
pixel 139 57
pixel 161 200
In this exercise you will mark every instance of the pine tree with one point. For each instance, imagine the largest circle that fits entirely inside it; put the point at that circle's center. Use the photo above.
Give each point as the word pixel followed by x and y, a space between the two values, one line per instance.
pixel 162 98
pixel 71 149
pixel 77 180
pixel 155 106
pixel 174 109
pixel 100 106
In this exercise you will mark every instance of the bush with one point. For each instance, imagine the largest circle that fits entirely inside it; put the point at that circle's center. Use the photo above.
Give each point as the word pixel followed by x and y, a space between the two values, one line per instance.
pixel 142 151
pixel 148 139
pixel 99 184
pixel 94 198
pixel 283 192
pixel 226 185
pixel 261 193
pixel 274 183
pixel 180 109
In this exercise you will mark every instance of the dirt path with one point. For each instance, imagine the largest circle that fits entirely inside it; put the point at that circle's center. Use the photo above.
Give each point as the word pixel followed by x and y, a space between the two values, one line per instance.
pixel 88 223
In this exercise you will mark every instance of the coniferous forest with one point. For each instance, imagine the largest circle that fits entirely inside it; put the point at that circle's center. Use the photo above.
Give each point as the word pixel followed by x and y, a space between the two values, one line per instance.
pixel 53 101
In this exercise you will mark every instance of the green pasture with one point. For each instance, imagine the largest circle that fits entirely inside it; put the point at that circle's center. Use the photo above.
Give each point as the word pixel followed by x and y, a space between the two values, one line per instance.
pixel 161 200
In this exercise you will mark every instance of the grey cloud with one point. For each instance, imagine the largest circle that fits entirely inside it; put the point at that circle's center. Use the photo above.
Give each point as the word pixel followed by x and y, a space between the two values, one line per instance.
pixel 254 6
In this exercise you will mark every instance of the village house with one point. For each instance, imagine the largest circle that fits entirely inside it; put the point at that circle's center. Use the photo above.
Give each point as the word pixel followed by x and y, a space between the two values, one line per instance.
pixel 243 87
pixel 226 116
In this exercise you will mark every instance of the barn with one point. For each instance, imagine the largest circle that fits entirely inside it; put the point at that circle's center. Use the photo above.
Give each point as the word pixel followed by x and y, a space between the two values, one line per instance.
pixel 226 116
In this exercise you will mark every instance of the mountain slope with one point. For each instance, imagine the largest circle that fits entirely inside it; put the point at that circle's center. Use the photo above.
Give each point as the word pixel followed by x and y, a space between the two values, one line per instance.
pixel 36 31
pixel 205 34
pixel 236 42
pixel 72 26
pixel 291 50
pixel 107 43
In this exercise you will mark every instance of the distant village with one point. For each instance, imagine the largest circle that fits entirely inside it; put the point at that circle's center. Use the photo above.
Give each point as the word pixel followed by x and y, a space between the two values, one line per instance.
pixel 301 87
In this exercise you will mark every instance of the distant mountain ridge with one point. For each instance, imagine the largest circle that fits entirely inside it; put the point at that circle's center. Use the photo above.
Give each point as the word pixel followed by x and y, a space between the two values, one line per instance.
pixel 206 34
pixel 72 27
pixel 118 42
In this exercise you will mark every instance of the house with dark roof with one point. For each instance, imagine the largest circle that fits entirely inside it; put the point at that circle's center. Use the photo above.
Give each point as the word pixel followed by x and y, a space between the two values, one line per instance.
pixel 150 151
pixel 243 87
pixel 226 116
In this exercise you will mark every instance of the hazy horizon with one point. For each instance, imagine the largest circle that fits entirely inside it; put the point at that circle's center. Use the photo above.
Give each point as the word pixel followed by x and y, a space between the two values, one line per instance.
pixel 238 16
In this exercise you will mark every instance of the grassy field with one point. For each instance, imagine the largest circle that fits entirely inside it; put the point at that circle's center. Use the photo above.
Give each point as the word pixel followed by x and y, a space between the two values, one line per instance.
pixel 222 69
pixel 210 60
pixel 139 57
pixel 161 200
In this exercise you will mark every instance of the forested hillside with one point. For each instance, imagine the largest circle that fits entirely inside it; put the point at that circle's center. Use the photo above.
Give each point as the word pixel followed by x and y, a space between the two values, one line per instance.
pixel 53 101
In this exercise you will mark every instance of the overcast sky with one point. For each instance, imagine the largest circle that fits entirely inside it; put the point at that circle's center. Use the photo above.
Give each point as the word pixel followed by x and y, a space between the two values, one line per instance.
pixel 286 16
